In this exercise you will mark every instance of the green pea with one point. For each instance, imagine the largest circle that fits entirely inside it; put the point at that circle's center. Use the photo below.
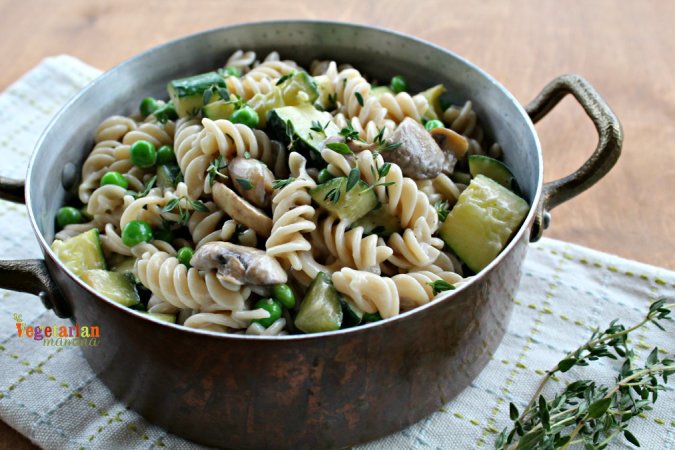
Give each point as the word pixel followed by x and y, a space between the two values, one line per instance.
pixel 271 306
pixel 284 294
pixel 143 154
pixel 325 176
pixel 371 317
pixel 232 71
pixel 148 106
pixel 247 116
pixel 67 216
pixel 163 234
pixel 184 256
pixel 136 232
pixel 115 178
pixel 165 155
pixel 430 125
pixel 398 84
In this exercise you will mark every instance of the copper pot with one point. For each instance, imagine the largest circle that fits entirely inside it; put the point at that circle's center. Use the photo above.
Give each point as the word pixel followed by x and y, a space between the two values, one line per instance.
pixel 323 390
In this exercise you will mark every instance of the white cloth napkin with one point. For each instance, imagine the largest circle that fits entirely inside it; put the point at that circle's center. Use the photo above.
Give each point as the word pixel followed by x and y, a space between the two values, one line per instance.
pixel 51 396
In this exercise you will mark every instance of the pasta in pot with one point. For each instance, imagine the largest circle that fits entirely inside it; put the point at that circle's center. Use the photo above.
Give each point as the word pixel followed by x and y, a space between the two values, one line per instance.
pixel 262 200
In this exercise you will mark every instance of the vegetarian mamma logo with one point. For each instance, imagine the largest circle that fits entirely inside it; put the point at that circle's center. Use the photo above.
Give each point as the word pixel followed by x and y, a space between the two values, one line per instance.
pixel 58 335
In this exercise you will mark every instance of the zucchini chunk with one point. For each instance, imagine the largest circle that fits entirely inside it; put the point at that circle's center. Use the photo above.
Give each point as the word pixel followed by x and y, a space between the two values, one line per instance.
pixel 492 168
pixel 326 100
pixel 81 253
pixel 352 205
pixel 171 318
pixel 380 222
pixel 293 124
pixel 168 175
pixel 187 94
pixel 352 314
pixel 320 310
pixel 433 96
pixel 218 110
pixel 117 286
pixel 483 220
pixel 297 90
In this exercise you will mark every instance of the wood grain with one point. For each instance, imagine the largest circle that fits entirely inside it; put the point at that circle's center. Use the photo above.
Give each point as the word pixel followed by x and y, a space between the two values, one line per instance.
pixel 625 49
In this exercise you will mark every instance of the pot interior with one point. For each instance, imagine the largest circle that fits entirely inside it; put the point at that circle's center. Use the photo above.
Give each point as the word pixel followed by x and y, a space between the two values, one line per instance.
pixel 377 53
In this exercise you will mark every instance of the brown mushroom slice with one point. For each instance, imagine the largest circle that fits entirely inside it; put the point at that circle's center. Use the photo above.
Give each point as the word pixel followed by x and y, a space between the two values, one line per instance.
pixel 252 180
pixel 241 210
pixel 239 265
pixel 451 141
pixel 419 156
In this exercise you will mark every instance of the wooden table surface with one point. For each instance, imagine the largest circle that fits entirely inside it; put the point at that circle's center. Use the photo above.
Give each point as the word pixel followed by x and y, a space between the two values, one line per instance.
pixel 625 49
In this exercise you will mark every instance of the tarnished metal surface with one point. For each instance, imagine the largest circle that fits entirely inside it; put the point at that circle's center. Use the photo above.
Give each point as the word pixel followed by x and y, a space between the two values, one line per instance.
pixel 308 391
pixel 605 155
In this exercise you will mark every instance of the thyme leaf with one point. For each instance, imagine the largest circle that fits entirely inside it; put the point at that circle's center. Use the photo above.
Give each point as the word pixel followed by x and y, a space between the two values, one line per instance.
pixel 280 184
pixel 384 170
pixel 385 184
pixel 284 78
pixel 245 183
pixel 359 98
pixel 340 147
pixel 147 188
pixel 353 178
pixel 439 286
pixel 333 195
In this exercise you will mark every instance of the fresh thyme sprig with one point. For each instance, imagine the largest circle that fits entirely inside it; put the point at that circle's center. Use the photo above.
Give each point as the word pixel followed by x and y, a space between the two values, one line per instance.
pixel 596 414
pixel 383 184
pixel 384 145
pixel 215 89
pixel 349 133
pixel 146 189
pixel 280 184
pixel 214 169
pixel 317 127
pixel 443 209
pixel 333 195
pixel 183 203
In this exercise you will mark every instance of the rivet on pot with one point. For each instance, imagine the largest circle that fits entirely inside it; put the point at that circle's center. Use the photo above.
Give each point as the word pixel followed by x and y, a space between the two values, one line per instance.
pixel 69 176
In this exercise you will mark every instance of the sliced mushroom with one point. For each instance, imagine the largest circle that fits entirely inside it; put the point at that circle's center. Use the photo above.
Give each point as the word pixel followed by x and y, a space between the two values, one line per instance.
pixel 239 265
pixel 252 179
pixel 419 156
pixel 241 210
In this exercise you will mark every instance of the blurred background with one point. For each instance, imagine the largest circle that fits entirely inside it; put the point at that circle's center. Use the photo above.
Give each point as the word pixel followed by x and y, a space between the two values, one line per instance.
pixel 625 49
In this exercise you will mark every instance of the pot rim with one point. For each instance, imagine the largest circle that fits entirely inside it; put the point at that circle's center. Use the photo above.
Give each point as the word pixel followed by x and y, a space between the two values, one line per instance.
pixel 524 228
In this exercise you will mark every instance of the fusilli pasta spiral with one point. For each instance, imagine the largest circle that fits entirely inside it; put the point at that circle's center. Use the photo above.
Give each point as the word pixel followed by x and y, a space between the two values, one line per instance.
pixel 174 283
pixel 370 292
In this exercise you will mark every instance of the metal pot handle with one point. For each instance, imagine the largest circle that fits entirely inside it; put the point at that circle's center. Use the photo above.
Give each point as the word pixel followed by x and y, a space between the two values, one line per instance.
pixel 610 138
pixel 28 275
